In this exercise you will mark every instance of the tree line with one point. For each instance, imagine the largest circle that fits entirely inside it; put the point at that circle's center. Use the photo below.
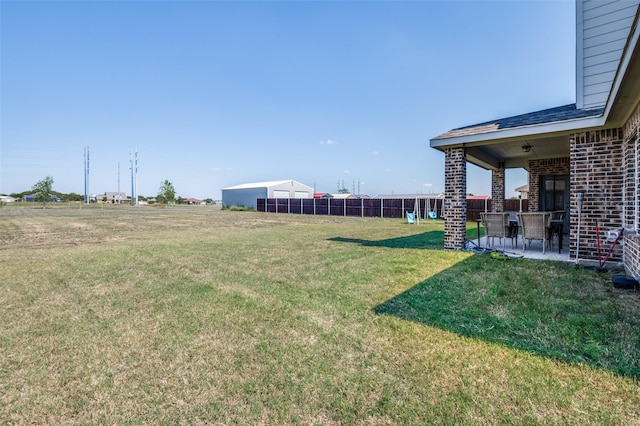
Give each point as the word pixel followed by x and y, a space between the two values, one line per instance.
pixel 43 192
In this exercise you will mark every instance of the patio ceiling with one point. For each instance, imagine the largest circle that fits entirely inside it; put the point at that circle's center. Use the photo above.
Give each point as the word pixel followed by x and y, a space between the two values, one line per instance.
pixel 491 154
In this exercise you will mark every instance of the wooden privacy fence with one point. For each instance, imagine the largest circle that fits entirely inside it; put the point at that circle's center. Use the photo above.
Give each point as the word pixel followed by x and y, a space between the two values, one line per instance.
pixel 374 207
pixel 363 207
pixel 475 207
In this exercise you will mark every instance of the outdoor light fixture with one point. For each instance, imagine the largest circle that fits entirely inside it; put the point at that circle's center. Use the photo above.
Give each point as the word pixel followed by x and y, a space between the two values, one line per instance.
pixel 526 147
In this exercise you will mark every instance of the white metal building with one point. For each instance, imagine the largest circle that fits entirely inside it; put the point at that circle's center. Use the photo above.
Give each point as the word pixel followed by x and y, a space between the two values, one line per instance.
pixel 246 194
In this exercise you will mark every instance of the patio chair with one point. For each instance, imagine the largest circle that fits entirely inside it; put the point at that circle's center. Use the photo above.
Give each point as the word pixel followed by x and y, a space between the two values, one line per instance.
pixel 411 217
pixel 535 226
pixel 496 225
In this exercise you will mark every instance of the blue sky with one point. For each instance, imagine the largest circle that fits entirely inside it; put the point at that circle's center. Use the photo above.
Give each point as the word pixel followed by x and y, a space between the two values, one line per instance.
pixel 215 94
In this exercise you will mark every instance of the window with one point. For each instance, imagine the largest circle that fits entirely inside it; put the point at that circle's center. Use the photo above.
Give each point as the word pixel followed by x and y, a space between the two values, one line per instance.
pixel 555 192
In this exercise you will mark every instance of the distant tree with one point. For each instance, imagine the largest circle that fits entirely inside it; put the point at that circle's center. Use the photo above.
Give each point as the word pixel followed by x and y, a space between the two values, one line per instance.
pixel 72 196
pixel 208 200
pixel 19 195
pixel 343 191
pixel 43 190
pixel 166 193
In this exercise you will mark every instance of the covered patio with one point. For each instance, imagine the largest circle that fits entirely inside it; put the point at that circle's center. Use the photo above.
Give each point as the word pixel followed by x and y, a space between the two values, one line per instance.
pixel 539 142
pixel 533 251
pixel 582 158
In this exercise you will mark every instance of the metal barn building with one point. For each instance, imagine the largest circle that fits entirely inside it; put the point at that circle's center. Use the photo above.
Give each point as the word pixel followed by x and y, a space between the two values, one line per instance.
pixel 246 194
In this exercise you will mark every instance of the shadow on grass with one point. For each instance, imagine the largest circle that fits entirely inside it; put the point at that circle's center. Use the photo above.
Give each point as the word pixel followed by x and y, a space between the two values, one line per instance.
pixel 550 309
pixel 426 240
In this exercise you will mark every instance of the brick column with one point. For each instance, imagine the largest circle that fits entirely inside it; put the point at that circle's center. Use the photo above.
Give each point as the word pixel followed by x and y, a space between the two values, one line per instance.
pixel 455 198
pixel 534 185
pixel 497 190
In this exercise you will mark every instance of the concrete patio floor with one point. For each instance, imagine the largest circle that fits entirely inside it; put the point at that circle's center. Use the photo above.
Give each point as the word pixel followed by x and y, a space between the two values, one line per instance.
pixel 531 252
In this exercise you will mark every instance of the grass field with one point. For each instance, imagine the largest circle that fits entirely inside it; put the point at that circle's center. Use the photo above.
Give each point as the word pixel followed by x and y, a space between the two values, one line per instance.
pixel 140 315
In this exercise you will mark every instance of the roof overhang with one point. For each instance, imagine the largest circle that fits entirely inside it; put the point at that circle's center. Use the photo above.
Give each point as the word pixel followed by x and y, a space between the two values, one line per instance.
pixel 504 148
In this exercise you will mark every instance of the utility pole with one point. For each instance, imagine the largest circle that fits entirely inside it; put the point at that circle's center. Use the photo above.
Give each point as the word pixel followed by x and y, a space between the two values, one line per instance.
pixel 134 176
pixel 86 175
pixel 118 182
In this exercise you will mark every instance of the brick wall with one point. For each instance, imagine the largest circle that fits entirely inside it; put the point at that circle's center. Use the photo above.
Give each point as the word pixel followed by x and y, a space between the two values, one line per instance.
pixel 497 190
pixel 597 172
pixel 631 249
pixel 455 195
pixel 545 167
pixel 631 185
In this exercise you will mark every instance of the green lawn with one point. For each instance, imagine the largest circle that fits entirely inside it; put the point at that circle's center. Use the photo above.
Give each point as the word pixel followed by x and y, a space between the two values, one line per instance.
pixel 195 315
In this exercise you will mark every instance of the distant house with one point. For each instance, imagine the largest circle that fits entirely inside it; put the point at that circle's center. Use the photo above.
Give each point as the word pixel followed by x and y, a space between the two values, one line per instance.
pixel 31 198
pixel 524 191
pixel 342 196
pixel 194 201
pixel 6 199
pixel 420 196
pixel 486 199
pixel 246 194
pixel 115 197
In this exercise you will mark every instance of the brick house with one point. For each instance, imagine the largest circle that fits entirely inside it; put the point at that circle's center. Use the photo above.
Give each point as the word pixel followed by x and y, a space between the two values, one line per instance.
pixel 115 197
pixel 587 151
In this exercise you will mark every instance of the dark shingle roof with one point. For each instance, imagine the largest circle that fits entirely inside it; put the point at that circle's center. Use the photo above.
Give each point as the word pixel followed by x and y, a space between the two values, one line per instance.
pixel 545 116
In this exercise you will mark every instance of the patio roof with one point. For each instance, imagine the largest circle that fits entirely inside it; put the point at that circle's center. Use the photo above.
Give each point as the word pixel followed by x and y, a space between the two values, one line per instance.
pixel 500 142
pixel 545 116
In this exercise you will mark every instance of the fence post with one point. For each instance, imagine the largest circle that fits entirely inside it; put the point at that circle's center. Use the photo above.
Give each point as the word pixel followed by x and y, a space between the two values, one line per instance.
pixel 361 207
pixel 344 207
pixel 381 207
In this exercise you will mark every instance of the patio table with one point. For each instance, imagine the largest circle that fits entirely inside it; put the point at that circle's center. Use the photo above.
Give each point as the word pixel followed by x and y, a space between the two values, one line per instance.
pixel 514 228
pixel 556 226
